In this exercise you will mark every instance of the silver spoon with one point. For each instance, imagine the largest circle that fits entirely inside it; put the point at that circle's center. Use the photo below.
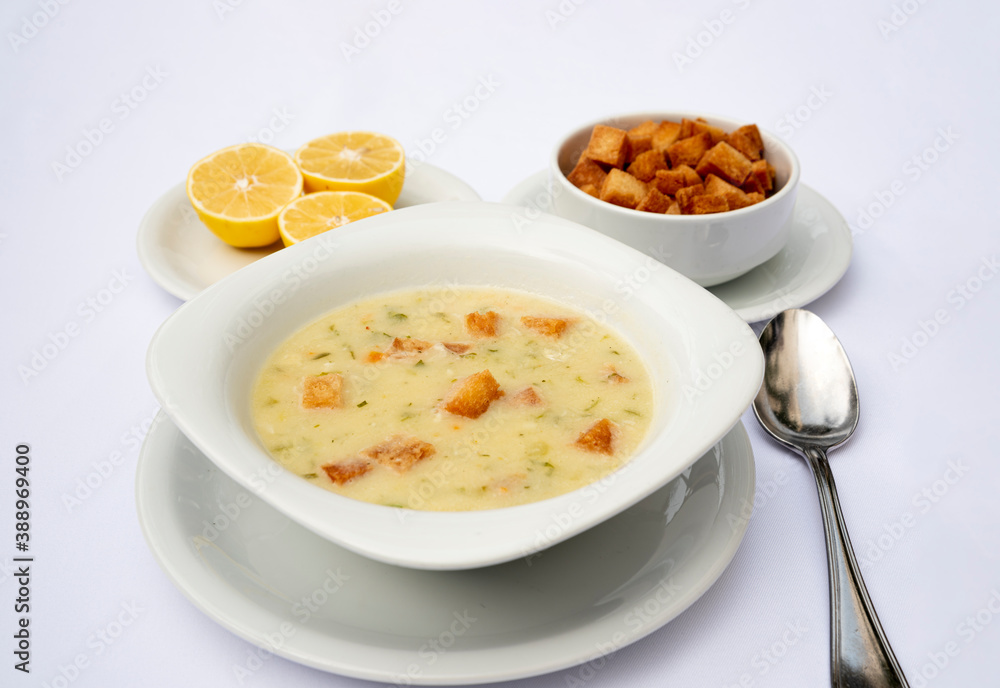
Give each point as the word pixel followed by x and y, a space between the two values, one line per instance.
pixel 809 401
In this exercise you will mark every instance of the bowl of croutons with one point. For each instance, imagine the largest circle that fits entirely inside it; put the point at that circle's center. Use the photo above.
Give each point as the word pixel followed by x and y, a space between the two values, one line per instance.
pixel 709 196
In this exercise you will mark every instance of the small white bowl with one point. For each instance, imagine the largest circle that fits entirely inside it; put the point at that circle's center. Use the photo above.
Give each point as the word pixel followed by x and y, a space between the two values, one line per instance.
pixel 705 363
pixel 709 249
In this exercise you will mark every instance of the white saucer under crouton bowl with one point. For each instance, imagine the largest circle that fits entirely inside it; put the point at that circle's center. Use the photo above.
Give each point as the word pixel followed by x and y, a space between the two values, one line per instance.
pixel 703 360
pixel 708 248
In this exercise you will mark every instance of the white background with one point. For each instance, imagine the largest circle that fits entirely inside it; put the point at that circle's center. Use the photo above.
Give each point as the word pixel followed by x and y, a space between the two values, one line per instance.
pixel 888 94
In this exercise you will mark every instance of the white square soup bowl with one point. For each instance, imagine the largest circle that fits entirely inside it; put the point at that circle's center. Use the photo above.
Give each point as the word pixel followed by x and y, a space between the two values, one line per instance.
pixel 704 361
pixel 709 249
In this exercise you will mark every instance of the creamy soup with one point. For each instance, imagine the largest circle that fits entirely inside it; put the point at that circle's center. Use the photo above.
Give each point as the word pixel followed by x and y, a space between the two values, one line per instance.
pixel 450 400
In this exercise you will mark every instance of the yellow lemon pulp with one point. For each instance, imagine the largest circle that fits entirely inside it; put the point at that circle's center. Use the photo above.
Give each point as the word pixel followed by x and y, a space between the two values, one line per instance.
pixel 316 213
pixel 239 191
pixel 354 161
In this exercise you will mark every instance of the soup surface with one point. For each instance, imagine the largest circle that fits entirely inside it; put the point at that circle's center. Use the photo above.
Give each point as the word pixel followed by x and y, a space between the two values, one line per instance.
pixel 453 399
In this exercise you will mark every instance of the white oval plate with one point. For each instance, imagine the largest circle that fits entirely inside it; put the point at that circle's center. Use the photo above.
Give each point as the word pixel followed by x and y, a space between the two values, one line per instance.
pixel 816 256
pixel 184 257
pixel 249 567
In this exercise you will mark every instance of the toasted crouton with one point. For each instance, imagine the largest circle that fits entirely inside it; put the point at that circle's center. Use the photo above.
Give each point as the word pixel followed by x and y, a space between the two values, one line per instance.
pixel 456 347
pixel 763 176
pixel 482 324
pixel 550 327
pixel 687 128
pixel 755 197
pixel 608 145
pixel 515 481
pixel 473 395
pixel 689 151
pixel 752 185
pixel 526 397
pixel 586 172
pixel 640 139
pixel 598 438
pixel 346 471
pixel 685 195
pixel 399 452
pixel 698 126
pixel 621 188
pixel 724 161
pixel 735 197
pixel 747 140
pixel 674 209
pixel 612 375
pixel 643 128
pixel 666 135
pixel 645 166
pixel 717 185
pixel 591 190
pixel 405 347
pixel 671 181
pixel 703 205
pixel 654 202
pixel 322 391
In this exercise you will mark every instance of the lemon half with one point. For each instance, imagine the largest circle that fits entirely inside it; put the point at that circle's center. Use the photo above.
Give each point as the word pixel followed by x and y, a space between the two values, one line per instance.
pixel 319 212
pixel 239 191
pixel 354 161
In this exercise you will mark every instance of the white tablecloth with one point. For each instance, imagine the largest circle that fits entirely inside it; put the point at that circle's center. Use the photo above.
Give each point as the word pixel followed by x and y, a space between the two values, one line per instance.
pixel 890 106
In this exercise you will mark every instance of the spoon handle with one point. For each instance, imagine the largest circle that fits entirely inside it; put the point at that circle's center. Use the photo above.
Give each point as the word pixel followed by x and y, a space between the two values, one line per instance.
pixel 860 654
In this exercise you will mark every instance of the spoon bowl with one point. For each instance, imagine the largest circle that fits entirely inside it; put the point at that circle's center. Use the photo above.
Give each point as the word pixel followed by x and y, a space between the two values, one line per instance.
pixel 809 401
pixel 809 396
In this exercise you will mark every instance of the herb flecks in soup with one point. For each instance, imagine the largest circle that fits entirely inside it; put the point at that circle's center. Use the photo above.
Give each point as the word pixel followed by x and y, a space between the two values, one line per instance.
pixel 453 400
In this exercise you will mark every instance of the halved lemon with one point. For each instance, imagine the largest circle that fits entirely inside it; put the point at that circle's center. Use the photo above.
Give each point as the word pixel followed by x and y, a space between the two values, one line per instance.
pixel 239 191
pixel 316 213
pixel 354 161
